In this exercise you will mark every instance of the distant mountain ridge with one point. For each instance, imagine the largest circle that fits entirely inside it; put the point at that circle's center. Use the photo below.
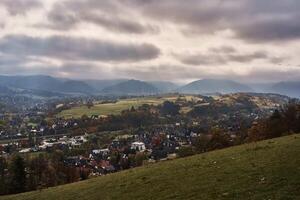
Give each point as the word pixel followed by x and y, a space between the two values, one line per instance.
pixel 51 86
pixel 45 83
pixel 131 87
pixel 164 86
pixel 99 85
pixel 208 86
pixel 291 88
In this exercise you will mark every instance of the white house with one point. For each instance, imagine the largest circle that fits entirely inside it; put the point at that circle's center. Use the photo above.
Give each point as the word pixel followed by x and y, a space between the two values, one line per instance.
pixel 103 152
pixel 139 146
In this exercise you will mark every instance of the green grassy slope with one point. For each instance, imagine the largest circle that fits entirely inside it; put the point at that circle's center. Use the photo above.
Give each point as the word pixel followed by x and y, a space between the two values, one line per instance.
pixel 265 170
pixel 116 108
pixel 108 108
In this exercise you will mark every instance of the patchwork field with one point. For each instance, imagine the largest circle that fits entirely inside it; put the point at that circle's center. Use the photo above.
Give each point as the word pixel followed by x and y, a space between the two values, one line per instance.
pixel 257 171
pixel 110 108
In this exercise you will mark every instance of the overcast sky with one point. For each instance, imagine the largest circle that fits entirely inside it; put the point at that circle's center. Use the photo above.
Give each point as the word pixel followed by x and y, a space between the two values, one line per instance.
pixel 175 40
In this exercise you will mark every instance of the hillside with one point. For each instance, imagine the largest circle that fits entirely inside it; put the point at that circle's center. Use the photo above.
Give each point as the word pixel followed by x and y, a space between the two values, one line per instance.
pixel 291 89
pixel 108 108
pixel 5 91
pixel 76 87
pixel 164 86
pixel 208 86
pixel 263 170
pixel 99 85
pixel 131 87
pixel 41 83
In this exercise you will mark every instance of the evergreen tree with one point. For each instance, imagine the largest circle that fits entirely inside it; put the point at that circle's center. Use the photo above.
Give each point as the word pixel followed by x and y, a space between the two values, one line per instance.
pixel 18 175
pixel 3 166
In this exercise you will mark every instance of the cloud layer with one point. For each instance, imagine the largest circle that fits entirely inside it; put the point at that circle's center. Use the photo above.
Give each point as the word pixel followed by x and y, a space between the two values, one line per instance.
pixel 148 39
pixel 66 48
pixel 19 7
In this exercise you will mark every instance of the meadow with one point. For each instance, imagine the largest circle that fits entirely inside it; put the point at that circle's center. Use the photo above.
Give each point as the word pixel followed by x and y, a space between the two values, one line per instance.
pixel 113 108
pixel 256 171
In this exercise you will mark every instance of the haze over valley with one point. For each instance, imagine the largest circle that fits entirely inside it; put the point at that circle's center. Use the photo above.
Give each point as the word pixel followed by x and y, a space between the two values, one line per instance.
pixel 145 99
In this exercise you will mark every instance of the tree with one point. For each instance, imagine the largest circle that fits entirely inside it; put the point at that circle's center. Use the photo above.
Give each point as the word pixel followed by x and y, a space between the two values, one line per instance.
pixel 115 158
pixel 18 175
pixel 3 166
pixel 186 151
pixel 31 139
pixel 140 158
pixel 284 121
pixel 90 104
pixel 169 108
pixel 219 139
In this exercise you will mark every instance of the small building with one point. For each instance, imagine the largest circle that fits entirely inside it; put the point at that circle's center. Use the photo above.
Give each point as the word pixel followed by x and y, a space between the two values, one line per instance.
pixel 139 146
pixel 101 151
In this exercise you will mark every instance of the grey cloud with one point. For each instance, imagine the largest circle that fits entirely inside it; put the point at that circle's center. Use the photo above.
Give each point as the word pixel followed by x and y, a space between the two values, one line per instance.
pixel 67 48
pixel 270 75
pixel 225 57
pixel 118 25
pixel 107 14
pixel 278 60
pixel 22 70
pixel 223 49
pixel 255 21
pixel 61 20
pixel 248 57
pixel 15 7
pixel 157 72
pixel 21 66
pixel 202 59
pixel 79 68
pixel 170 72
pixel 9 61
pixel 270 30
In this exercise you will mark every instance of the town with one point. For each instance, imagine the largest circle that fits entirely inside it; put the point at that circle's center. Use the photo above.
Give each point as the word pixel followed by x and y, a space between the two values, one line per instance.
pixel 97 145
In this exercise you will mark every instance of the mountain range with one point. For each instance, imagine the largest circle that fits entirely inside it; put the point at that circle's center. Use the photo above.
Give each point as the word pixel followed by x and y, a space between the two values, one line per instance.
pixel 287 88
pixel 42 85
pixel 209 86
pixel 131 87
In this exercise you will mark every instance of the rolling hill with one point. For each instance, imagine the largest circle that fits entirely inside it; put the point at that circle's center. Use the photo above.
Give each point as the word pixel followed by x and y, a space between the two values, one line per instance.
pixel 37 82
pixel 99 85
pixel 6 91
pixel 72 86
pixel 263 170
pixel 131 87
pixel 209 86
pixel 164 86
pixel 291 89
pixel 41 83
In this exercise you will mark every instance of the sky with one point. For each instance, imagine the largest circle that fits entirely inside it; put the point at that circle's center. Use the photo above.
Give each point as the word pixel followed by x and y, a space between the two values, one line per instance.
pixel 170 40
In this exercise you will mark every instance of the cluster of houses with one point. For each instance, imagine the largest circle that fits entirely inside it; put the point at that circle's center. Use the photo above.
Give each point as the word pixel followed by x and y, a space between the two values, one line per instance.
pixel 65 142
pixel 158 143
pixel 19 126
pixel 70 142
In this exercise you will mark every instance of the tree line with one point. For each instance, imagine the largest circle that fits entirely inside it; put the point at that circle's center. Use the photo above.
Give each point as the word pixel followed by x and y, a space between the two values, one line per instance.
pixel 23 173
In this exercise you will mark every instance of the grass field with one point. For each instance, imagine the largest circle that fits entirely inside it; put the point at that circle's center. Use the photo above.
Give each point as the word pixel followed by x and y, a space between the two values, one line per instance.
pixel 113 108
pixel 108 108
pixel 258 171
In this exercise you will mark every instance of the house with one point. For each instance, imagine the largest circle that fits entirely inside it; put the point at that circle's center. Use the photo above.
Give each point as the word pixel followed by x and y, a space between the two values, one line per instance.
pixel 100 153
pixel 139 146
pixel 107 167
pixel 103 152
